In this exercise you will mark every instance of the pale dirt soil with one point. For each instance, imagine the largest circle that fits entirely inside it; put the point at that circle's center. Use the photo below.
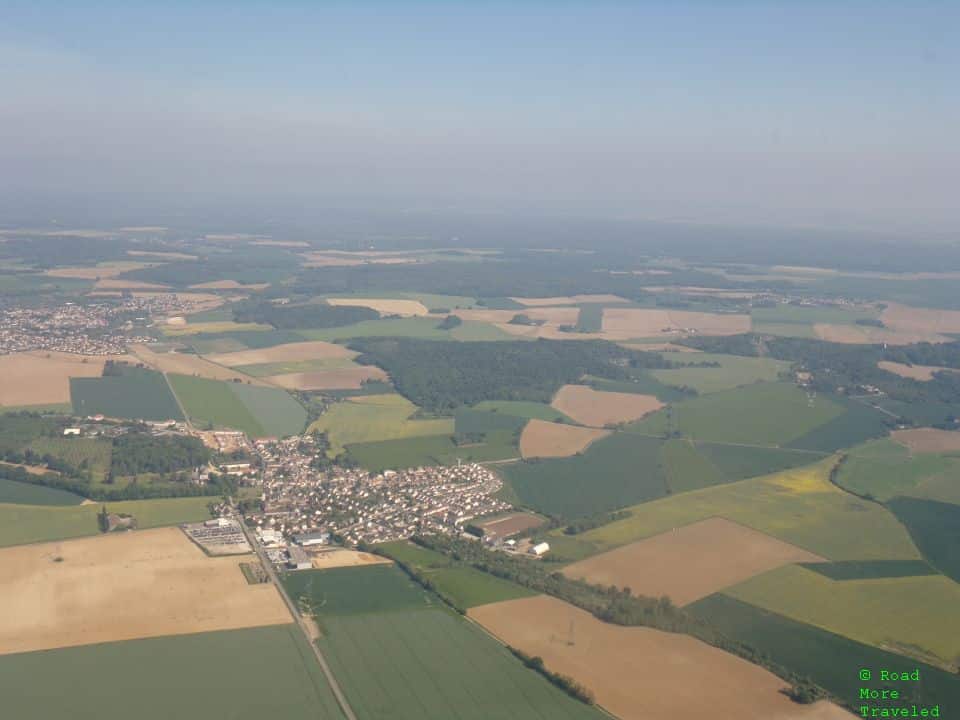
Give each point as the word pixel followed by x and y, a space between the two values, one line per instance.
pixel 121 284
pixel 282 243
pixel 409 308
pixel 639 673
pixel 511 524
pixel 569 300
pixel 865 335
pixel 92 273
pixel 659 347
pixel 928 440
pixel 598 409
pixel 342 259
pixel 541 438
pixel 334 379
pixel 625 323
pixel 123 586
pixel 690 562
pixel 551 316
pixel 186 364
pixel 229 285
pixel 916 372
pixel 161 255
pixel 340 557
pixel 290 352
pixel 920 320
pixel 31 378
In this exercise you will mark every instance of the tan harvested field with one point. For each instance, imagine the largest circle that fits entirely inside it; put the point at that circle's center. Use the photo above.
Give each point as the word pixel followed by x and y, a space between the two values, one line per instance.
pixel 598 409
pixel 920 320
pixel 636 322
pixel 122 586
pixel 660 347
pixel 121 284
pixel 548 315
pixel 289 352
pixel 638 673
pixel 229 285
pixel 865 335
pixel 187 364
pixel 690 562
pixel 333 379
pixel 161 255
pixel 343 259
pixel 107 270
pixel 569 300
pixel 512 524
pixel 541 438
pixel 282 243
pixel 341 557
pixel 33 378
pixel 407 308
pixel 928 440
pixel 916 372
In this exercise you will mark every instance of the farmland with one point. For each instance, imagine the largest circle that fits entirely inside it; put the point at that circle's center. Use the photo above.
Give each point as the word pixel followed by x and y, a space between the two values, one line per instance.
pixel 137 393
pixel 142 584
pixel 32 378
pixel 283 353
pixel 733 372
pixel 19 493
pixel 884 469
pixel 933 526
pixel 431 450
pixel 95 452
pixel 912 615
pixel 549 439
pixel 20 524
pixel 639 672
pixel 214 674
pixel 599 409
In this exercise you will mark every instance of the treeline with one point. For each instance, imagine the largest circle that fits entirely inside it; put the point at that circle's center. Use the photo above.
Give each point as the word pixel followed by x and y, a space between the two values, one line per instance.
pixel 595 521
pixel 309 315
pixel 135 453
pixel 440 376
pixel 617 606
pixel 564 682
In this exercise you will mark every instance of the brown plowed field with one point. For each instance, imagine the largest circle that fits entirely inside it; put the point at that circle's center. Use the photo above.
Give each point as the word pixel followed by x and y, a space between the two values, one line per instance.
pixel 122 586
pixel 598 409
pixel 335 379
pixel 341 557
pixel 638 673
pixel 690 562
pixel 915 372
pixel 384 307
pixel 289 352
pixel 865 335
pixel 920 320
pixel 628 323
pixel 568 300
pixel 512 524
pixel 928 440
pixel 186 364
pixel 32 378
pixel 541 438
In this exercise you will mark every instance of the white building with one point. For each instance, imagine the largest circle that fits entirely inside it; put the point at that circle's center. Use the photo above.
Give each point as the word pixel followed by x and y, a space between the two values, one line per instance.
pixel 540 549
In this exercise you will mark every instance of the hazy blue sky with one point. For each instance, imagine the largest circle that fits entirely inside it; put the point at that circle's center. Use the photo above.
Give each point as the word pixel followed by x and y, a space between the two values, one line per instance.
pixel 795 113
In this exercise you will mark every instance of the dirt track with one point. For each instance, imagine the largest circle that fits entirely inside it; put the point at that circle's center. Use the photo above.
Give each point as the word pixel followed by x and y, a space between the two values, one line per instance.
pixel 123 586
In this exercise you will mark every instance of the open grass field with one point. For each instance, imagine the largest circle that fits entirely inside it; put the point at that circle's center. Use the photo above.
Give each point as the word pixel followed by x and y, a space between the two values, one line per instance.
pixel 124 586
pixel 357 590
pixel 473 422
pixel 859 422
pixel 19 493
pixel 34 379
pixel 373 418
pixel 928 440
pixel 866 335
pixel 690 562
pixel 549 439
pixel 432 450
pixel 21 524
pixel 638 672
pixel 687 468
pixel 825 657
pixel 417 327
pixel 598 409
pixel 912 615
pixel 808 315
pixel 96 452
pixel 642 383
pixel 871 569
pixel 275 410
pixel 884 469
pixel 213 403
pixel 736 462
pixel 797 330
pixel 935 528
pixel 733 372
pixel 225 675
pixel 228 342
pixel 568 300
pixel 613 472
pixel 137 394
pixel 284 353
pixel 799 506
pixel 433 664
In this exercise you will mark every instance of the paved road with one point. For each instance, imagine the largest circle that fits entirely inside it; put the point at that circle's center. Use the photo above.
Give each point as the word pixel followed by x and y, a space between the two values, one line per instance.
pixel 304 627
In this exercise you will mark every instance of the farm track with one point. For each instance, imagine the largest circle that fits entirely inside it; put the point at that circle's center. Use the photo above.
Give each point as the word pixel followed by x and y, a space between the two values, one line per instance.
pixel 302 623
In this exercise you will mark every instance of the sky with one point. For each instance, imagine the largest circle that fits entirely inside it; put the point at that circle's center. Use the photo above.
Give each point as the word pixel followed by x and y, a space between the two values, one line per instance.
pixel 796 114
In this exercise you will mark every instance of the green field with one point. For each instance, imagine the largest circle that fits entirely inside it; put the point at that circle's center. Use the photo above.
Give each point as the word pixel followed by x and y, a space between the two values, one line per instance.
pixel 641 383
pixel 302 366
pixel 357 590
pixel 468 421
pixel 798 330
pixel 799 506
pixel 871 569
pixel 858 423
pixel 884 469
pixel 737 462
pixel 415 327
pixel 21 493
pixel 935 528
pixel 137 394
pixel 473 331
pixel 97 452
pixel 432 450
pixel 765 414
pixel 590 319
pixel 734 371
pixel 687 468
pixel 828 659
pixel 521 408
pixel 373 418
pixel 916 615
pixel 274 409
pixel 22 524
pixel 227 675
pixel 783 314
pixel 613 472
pixel 233 341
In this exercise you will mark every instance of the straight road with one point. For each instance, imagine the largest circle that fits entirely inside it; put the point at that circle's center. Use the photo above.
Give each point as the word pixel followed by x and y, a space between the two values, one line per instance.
pixel 301 622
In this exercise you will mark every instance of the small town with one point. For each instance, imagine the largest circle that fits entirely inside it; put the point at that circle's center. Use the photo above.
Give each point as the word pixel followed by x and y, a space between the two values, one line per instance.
pixel 357 506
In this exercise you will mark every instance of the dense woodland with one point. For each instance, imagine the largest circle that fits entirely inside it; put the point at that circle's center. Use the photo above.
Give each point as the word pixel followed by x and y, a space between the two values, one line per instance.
pixel 310 315
pixel 135 453
pixel 441 376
